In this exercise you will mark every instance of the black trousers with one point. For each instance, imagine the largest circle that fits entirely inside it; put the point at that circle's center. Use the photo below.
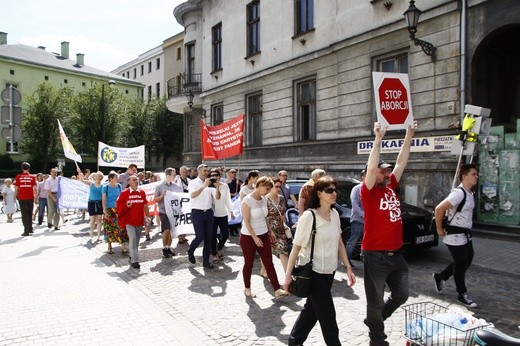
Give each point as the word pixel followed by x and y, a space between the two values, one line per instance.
pixel 462 257
pixel 222 223
pixel 26 209
pixel 318 307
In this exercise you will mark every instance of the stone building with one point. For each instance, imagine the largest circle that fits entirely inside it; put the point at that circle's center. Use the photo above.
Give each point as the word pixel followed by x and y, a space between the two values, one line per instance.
pixel 301 73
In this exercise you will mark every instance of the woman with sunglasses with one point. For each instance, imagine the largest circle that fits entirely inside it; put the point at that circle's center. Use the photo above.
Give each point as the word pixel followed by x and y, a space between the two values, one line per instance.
pixel 255 236
pixel 328 247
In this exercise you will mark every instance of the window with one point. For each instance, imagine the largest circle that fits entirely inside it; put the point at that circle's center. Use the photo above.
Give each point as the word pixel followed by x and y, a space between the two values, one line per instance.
pixel 217 114
pixel 158 90
pixel 157 63
pixel 149 92
pixel 190 61
pixel 192 127
pixel 304 16
pixel 398 64
pixel 253 28
pixel 216 40
pixel 306 110
pixel 254 120
pixel 142 70
pixel 149 67
pixel 135 73
pixel 179 53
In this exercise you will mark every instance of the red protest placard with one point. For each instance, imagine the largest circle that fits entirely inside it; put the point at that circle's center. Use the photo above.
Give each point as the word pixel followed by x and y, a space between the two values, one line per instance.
pixel 224 140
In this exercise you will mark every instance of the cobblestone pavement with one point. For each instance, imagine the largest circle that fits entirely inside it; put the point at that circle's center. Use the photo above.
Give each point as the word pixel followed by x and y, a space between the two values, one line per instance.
pixel 57 288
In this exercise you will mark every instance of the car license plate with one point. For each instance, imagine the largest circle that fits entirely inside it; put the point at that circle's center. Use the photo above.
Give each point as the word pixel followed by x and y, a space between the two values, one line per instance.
pixel 424 239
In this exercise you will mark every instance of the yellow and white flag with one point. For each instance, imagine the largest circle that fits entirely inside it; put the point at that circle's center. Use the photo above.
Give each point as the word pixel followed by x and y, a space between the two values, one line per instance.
pixel 68 149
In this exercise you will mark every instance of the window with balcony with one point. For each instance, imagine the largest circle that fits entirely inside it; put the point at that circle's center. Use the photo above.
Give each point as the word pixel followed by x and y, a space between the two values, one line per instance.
pixel 254 119
pixel 304 16
pixel 306 110
pixel 216 41
pixel 217 114
pixel 190 62
pixel 253 28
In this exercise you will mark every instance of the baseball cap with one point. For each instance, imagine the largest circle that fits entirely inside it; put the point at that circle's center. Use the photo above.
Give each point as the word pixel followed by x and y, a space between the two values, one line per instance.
pixel 382 164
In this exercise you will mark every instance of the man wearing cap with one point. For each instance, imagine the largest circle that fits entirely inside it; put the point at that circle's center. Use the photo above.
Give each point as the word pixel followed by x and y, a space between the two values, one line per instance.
pixel 383 236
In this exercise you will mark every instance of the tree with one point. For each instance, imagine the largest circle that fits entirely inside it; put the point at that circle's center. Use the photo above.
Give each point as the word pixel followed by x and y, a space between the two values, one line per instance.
pixel 167 133
pixel 40 138
pixel 99 115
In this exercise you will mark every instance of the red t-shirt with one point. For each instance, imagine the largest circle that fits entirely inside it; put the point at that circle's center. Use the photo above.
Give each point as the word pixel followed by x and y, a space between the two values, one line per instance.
pixel 26 183
pixel 383 223
pixel 133 215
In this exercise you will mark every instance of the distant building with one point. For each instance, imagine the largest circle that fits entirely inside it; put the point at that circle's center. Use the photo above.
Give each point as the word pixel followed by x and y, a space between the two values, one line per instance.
pixel 301 72
pixel 25 67
pixel 156 67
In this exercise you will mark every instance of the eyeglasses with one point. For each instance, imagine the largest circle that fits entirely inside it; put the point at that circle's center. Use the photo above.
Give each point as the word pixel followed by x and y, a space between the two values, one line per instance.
pixel 385 170
pixel 330 190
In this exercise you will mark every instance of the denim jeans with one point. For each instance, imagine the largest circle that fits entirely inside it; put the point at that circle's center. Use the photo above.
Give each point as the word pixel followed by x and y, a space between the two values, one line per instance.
pixel 218 244
pixel 203 226
pixel 134 235
pixel 462 257
pixel 381 269
pixel 42 205
pixel 356 233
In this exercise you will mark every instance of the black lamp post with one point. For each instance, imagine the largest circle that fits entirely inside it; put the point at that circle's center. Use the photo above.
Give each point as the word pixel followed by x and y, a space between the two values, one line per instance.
pixel 411 16
pixel 190 96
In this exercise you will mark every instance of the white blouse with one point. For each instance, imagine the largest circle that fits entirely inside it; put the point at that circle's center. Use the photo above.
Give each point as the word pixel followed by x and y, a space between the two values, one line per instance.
pixel 326 241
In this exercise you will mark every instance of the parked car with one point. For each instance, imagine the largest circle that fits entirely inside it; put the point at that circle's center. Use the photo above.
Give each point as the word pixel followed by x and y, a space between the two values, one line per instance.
pixel 417 222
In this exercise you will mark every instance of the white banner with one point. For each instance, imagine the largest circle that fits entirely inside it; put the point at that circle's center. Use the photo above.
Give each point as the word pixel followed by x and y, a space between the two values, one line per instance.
pixel 120 157
pixel 178 209
pixel 72 194
pixel 424 144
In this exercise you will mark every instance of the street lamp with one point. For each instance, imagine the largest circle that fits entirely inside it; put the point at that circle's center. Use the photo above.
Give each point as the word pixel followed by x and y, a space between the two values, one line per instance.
pixel 190 96
pixel 411 16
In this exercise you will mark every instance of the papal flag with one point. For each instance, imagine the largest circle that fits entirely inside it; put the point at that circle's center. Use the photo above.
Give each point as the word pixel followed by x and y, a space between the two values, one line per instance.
pixel 68 149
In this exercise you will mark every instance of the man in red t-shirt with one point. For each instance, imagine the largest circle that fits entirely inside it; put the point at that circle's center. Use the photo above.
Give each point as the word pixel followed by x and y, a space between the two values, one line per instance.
pixel 383 236
pixel 132 209
pixel 25 189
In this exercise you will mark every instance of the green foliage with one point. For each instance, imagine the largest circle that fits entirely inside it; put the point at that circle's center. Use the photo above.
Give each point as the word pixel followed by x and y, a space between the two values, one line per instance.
pixel 99 115
pixel 167 134
pixel 6 162
pixel 40 138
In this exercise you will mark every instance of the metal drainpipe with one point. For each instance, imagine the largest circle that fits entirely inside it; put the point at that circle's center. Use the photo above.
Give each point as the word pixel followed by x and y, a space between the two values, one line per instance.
pixel 462 60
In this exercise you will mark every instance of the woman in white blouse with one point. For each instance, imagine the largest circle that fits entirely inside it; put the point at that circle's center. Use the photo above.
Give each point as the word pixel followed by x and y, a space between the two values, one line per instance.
pixel 328 247
pixel 255 236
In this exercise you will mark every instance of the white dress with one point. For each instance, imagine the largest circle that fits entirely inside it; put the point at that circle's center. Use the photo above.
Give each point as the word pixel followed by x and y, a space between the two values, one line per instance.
pixel 9 202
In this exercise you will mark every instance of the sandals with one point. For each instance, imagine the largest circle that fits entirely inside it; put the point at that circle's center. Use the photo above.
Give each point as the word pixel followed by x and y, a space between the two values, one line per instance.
pixel 110 251
pixel 263 274
pixel 279 293
pixel 248 293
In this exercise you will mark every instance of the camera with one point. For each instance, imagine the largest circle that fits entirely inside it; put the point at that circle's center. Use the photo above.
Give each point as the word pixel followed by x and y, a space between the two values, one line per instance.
pixel 212 182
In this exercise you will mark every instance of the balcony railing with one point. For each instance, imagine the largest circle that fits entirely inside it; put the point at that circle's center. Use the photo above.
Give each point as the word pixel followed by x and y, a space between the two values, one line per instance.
pixel 184 83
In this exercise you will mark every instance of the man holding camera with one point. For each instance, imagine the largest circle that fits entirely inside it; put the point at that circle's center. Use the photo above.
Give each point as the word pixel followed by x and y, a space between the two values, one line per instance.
pixel 202 192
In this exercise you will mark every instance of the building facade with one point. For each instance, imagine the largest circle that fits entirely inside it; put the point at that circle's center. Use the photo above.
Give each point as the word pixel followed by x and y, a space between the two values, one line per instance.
pixel 301 72
pixel 156 67
pixel 25 67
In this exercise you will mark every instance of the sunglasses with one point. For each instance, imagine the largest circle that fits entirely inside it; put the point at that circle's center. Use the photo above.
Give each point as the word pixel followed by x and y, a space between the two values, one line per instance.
pixel 214 175
pixel 330 190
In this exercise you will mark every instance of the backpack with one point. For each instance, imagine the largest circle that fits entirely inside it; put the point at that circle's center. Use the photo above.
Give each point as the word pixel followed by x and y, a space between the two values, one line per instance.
pixel 445 221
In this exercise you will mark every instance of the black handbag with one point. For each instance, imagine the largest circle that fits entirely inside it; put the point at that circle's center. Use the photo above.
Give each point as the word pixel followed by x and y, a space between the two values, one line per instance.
pixel 301 285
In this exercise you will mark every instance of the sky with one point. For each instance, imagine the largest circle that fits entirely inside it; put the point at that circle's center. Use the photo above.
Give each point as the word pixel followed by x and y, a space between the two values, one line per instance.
pixel 109 32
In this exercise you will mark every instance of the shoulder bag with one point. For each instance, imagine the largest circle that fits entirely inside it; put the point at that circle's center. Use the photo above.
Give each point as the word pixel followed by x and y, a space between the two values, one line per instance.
pixel 301 285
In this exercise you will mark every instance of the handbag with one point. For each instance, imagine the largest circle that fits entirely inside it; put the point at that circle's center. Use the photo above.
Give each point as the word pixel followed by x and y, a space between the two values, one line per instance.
pixel 301 285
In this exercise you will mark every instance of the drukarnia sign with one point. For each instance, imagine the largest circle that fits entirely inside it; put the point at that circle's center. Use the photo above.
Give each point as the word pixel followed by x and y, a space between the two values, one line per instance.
pixel 393 100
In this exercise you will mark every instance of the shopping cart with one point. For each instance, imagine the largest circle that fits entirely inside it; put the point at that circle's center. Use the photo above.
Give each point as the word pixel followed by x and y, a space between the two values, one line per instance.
pixel 430 324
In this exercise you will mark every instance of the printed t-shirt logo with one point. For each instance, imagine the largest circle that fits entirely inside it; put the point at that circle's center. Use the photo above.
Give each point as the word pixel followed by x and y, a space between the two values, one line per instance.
pixel 391 203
